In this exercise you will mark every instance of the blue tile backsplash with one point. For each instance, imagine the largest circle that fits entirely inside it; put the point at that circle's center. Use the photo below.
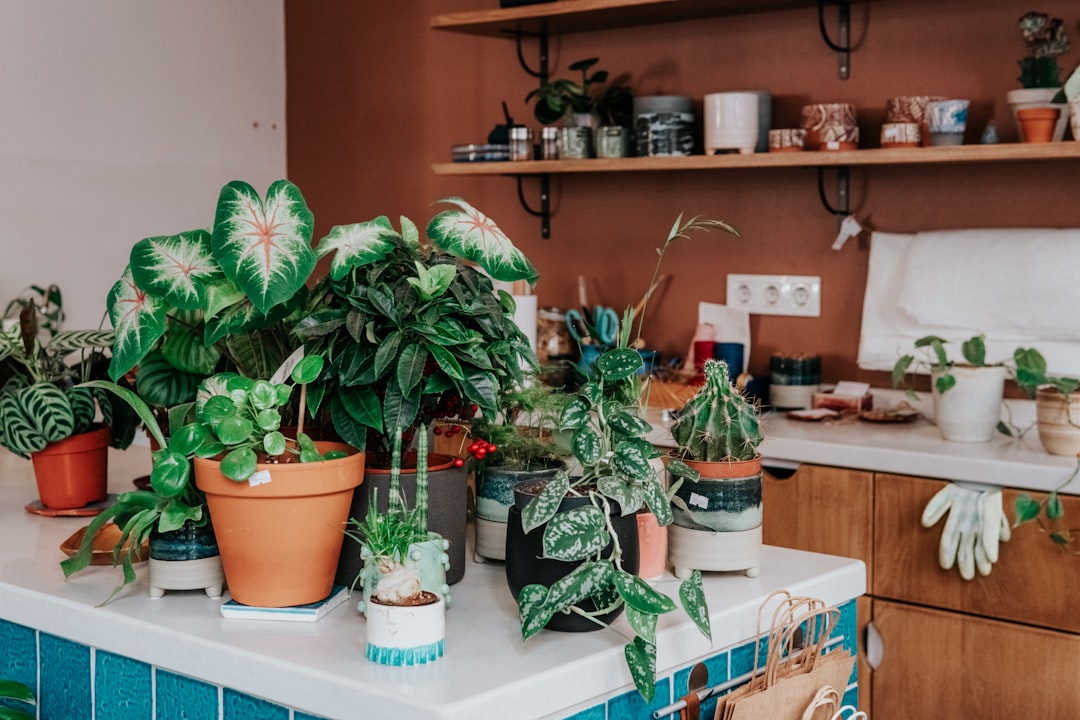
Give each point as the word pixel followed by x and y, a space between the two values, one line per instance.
pixel 81 683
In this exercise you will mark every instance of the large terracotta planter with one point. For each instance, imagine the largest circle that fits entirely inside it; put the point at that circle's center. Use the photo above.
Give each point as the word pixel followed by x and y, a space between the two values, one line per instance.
pixel 447 510
pixel 280 538
pixel 73 472
pixel 720 529
pixel 1058 419
pixel 969 411
pixel 525 564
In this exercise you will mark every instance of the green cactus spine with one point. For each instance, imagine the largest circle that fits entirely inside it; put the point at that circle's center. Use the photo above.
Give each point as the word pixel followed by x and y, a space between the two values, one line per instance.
pixel 718 423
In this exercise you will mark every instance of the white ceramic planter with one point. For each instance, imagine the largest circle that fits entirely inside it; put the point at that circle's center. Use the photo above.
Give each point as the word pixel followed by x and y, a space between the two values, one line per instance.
pixel 971 409
pixel 428 558
pixel 690 550
pixel 406 635
pixel 202 574
pixel 1058 420
pixel 1036 98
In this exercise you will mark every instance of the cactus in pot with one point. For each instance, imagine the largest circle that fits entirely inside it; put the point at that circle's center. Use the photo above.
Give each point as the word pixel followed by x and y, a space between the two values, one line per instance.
pixel 716 492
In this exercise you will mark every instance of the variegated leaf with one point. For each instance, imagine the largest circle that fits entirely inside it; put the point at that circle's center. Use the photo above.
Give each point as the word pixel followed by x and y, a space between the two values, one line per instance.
pixel 641 659
pixel 678 469
pixel 629 496
pixel 138 319
pixel 576 534
pixel 20 435
pixel 641 596
pixel 692 595
pixel 575 414
pixel 185 350
pixel 586 445
pixel 48 409
pixel 543 507
pixel 619 363
pixel 631 460
pixel 533 610
pixel 159 383
pixel 468 233
pixel 623 422
pixel 264 246
pixel 358 245
pixel 176 267
pixel 643 624
pixel 584 581
pixel 67 341
pixel 657 502
pixel 83 408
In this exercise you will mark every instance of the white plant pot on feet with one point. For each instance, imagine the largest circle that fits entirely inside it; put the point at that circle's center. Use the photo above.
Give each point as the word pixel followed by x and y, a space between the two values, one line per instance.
pixel 403 635
pixel 690 550
pixel 970 410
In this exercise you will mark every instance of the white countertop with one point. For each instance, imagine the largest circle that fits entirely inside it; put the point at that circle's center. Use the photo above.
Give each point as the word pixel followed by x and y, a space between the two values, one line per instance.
pixel 488 672
pixel 914 448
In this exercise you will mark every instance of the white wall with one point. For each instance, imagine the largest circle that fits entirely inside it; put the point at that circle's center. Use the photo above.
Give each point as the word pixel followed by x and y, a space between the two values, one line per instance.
pixel 121 119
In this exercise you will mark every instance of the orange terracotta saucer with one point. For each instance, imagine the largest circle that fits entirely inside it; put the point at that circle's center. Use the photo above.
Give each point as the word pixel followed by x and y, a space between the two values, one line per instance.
pixel 36 508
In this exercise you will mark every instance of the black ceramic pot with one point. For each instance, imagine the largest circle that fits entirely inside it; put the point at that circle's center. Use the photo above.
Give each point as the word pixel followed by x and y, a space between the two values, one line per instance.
pixel 525 566
pixel 447 510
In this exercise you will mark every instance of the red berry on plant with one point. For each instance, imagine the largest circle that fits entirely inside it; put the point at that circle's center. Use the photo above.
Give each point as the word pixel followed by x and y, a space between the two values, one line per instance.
pixel 437 431
pixel 491 449
pixel 458 462
pixel 479 454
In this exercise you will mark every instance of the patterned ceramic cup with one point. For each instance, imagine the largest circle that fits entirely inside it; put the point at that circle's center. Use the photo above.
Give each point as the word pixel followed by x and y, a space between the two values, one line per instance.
pixel 830 126
pixel 787 140
pixel 900 134
pixel 911 109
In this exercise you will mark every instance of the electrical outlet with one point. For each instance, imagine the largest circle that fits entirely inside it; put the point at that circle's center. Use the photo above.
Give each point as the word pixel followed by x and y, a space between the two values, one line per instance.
pixel 798 295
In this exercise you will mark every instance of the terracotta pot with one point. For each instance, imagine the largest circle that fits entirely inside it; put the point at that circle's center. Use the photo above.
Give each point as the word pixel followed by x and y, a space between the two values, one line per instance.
pixel 280 538
pixel 73 472
pixel 1038 124
pixel 1021 99
pixel 652 546
pixel 1058 420
pixel 525 564
pixel 448 510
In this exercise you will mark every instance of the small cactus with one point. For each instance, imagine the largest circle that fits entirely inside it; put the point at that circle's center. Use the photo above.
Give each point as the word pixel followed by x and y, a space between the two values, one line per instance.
pixel 718 423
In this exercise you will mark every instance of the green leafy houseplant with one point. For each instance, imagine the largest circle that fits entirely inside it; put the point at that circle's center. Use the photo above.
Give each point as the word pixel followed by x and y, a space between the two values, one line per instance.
pixel 40 402
pixel 936 357
pixel 1046 38
pixel 236 418
pixel 11 690
pixel 1049 515
pixel 522 433
pixel 411 330
pixel 608 439
pixel 557 98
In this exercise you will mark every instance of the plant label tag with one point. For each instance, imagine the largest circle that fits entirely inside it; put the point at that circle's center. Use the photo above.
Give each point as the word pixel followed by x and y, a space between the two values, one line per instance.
pixel 262 477
pixel 699 501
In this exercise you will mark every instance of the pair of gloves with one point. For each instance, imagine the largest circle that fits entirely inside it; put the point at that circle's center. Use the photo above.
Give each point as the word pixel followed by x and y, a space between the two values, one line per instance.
pixel 975 527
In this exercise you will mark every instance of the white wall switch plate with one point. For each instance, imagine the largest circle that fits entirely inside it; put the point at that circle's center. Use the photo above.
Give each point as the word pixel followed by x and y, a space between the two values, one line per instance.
pixel 798 295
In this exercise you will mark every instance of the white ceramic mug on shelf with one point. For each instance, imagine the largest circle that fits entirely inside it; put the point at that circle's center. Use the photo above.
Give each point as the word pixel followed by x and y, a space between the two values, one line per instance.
pixel 731 121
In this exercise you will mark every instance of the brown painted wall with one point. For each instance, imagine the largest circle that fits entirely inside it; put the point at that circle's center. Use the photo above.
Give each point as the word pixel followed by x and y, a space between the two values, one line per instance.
pixel 375 96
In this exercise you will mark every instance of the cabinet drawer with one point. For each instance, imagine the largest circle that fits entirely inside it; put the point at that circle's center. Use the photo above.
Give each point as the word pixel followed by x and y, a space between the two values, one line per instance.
pixel 1033 582
pixel 820 509
pixel 938 664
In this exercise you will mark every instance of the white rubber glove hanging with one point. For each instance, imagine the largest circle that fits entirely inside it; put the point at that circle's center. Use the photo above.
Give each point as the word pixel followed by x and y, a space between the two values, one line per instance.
pixel 975 526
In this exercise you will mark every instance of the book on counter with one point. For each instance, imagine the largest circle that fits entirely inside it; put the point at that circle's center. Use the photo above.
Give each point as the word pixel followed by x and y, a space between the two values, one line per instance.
pixel 297 613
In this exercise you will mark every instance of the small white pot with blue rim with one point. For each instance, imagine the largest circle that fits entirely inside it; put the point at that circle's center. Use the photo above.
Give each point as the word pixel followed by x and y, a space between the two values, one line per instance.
pixel 401 635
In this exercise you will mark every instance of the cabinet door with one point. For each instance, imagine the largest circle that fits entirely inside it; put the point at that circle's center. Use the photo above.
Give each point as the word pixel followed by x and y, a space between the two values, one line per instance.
pixel 1034 581
pixel 827 510
pixel 938 664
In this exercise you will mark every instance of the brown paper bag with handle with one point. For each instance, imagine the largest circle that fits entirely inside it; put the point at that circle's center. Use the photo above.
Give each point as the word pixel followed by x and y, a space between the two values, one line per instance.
pixel 791 678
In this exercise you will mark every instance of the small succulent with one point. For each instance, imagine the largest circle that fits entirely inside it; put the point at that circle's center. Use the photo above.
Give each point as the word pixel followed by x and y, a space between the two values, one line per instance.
pixel 1046 38
pixel 718 423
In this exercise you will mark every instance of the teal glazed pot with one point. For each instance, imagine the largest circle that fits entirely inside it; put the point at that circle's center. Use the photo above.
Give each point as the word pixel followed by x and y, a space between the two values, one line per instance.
pixel 726 498
pixel 187 543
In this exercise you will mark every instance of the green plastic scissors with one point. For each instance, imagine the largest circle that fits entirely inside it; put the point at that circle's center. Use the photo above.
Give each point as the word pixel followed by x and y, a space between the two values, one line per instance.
pixel 602 328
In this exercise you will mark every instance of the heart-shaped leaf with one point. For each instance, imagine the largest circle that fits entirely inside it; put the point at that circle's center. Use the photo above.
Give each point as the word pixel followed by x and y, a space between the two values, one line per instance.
pixel 468 233
pixel 357 245
pixel 176 268
pixel 138 319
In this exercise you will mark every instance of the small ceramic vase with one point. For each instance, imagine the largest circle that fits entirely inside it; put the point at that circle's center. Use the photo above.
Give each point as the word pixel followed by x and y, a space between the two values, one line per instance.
pixel 402 635
pixel 830 126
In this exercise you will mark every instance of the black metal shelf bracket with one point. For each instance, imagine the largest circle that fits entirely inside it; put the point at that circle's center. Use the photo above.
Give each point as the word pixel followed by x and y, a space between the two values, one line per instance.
pixel 843 43
pixel 843 200
pixel 544 213
pixel 543 73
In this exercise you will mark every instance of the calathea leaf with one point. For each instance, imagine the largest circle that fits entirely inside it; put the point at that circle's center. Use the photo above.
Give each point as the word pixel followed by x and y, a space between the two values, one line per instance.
pixel 66 341
pixel 176 268
pixel 358 245
pixel 20 435
pixel 641 659
pixel 692 595
pixel 139 321
pixel 264 247
pixel 83 408
pixel 49 409
pixel 544 506
pixel 184 350
pixel 468 233
pixel 576 534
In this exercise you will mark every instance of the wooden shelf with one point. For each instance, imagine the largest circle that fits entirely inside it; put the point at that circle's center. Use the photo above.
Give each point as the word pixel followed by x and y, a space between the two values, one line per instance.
pixel 958 154
pixel 570 16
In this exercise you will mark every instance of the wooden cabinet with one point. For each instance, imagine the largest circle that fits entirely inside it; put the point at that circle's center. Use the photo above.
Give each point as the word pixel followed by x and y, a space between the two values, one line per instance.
pixel 940 664
pixel 1034 581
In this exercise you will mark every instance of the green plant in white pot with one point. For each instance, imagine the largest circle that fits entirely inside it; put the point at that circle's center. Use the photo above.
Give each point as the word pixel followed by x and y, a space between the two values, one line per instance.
pixel 717 488
pixel 967 395
pixel 1046 39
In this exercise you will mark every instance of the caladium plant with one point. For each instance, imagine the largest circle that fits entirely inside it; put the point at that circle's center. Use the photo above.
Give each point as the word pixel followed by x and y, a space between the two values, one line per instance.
pixel 201 301
pixel 410 328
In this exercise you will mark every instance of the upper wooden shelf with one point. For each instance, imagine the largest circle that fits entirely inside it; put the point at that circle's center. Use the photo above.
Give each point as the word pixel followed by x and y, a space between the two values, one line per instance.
pixel 1010 152
pixel 569 16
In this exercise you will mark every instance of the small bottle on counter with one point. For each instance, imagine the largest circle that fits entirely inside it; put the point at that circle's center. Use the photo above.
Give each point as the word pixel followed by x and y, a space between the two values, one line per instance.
pixel 549 143
pixel 521 143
